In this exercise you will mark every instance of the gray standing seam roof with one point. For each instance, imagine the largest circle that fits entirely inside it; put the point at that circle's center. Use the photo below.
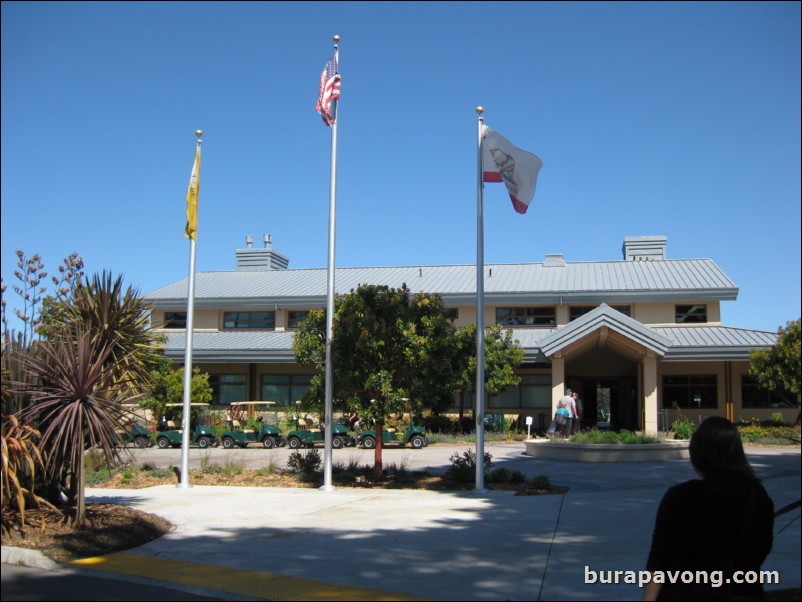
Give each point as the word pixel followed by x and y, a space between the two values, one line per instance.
pixel 684 343
pixel 591 282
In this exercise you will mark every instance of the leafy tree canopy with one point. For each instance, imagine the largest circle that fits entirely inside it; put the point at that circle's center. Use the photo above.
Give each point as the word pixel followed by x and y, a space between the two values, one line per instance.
pixel 779 367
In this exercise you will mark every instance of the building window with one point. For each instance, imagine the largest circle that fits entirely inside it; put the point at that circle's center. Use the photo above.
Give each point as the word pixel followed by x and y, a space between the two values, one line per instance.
pixel 284 389
pixel 175 319
pixel 755 396
pixel 452 313
pixel 534 392
pixel 690 392
pixel 690 314
pixel 294 318
pixel 577 311
pixel 250 319
pixel 526 316
pixel 228 387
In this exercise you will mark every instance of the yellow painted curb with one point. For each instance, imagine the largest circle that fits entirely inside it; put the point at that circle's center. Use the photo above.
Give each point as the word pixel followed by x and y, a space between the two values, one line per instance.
pixel 269 586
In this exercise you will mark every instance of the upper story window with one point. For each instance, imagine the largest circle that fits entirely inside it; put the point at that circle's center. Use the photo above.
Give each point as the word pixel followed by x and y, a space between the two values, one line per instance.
pixel 690 314
pixel 175 319
pixel 294 318
pixel 250 319
pixel 526 316
pixel 577 311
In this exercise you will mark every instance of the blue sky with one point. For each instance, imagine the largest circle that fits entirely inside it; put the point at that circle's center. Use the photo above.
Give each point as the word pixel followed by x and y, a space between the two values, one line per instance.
pixel 676 119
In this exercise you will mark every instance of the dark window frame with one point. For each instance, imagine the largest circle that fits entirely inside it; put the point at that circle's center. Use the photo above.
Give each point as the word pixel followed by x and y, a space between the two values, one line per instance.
pixel 239 385
pixel 753 396
pixel 236 320
pixel 690 392
pixel 175 320
pixel 293 322
pixel 690 314
pixel 528 316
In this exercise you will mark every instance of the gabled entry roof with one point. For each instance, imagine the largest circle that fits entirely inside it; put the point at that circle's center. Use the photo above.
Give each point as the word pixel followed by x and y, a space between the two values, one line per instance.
pixel 605 327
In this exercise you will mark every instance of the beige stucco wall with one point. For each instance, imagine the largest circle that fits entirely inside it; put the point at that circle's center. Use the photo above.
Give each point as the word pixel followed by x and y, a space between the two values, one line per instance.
pixel 654 314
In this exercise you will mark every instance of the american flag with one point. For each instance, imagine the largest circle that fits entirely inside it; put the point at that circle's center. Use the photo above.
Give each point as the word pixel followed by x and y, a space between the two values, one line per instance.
pixel 329 90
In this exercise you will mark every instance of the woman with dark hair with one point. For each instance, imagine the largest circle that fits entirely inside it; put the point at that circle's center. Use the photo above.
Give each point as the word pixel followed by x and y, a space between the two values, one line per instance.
pixel 713 527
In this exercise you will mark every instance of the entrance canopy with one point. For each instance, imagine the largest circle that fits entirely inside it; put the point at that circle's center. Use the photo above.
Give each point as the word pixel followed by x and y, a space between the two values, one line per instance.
pixel 605 327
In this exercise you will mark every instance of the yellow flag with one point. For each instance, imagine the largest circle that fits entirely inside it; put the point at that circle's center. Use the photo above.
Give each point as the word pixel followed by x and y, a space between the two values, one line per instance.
pixel 192 198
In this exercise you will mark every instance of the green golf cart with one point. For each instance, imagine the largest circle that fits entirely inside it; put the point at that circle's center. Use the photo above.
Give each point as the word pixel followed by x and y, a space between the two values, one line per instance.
pixel 240 434
pixel 202 435
pixel 414 435
pixel 131 430
pixel 308 435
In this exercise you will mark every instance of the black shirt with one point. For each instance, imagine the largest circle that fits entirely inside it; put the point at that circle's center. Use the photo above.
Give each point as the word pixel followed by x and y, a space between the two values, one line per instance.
pixel 711 526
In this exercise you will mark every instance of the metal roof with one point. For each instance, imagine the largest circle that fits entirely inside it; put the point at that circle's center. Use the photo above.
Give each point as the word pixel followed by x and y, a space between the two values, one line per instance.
pixel 683 343
pixel 578 282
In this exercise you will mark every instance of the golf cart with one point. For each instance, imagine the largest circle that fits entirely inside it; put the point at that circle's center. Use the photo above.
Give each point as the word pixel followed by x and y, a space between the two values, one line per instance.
pixel 131 430
pixel 307 435
pixel 241 434
pixel 171 434
pixel 414 435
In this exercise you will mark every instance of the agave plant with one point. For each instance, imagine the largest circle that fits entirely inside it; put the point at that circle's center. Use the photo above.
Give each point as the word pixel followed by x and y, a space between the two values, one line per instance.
pixel 76 405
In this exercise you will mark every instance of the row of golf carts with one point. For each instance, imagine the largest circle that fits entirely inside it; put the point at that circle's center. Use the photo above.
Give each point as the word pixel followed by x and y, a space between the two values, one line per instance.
pixel 242 432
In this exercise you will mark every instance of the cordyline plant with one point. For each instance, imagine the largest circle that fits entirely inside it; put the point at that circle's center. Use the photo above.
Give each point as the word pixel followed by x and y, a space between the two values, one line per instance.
pixel 76 406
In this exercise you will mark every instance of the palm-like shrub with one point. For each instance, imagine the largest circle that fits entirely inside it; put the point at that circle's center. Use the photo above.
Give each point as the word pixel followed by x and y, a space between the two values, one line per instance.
pixel 76 405
pixel 113 317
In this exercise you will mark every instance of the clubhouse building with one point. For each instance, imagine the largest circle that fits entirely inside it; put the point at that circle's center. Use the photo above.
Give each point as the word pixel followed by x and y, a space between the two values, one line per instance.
pixel 640 338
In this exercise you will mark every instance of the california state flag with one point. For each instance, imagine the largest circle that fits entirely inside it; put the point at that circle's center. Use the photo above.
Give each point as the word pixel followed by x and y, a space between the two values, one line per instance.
pixel 502 161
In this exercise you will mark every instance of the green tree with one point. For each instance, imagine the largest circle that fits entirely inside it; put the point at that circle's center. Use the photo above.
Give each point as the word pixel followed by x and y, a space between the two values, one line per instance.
pixel 502 356
pixel 389 354
pixel 778 368
pixel 168 387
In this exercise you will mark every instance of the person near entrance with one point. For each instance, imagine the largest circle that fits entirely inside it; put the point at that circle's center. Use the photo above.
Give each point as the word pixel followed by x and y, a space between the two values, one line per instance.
pixel 566 412
pixel 577 422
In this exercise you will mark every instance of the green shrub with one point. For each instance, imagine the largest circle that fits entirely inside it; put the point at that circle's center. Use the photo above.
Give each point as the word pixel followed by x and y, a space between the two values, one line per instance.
pixel 541 482
pixel 98 477
pixel 683 427
pixel 160 473
pixel 776 417
pixel 516 476
pixel 499 475
pixel 769 435
pixel 463 467
pixel 625 437
pixel 233 467
pixel 307 463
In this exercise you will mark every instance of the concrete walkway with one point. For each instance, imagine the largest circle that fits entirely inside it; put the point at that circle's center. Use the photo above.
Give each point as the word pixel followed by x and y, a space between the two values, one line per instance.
pixel 355 544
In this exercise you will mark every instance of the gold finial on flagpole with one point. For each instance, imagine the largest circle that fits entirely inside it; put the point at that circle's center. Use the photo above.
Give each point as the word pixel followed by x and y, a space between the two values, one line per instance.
pixel 199 133
pixel 480 110
pixel 336 39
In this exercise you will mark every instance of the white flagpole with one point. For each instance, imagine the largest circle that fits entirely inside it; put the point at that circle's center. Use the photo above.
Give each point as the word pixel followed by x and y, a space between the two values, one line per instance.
pixel 480 313
pixel 327 411
pixel 184 480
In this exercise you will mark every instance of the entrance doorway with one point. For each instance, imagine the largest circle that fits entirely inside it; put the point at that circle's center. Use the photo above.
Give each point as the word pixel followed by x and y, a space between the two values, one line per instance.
pixel 609 403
